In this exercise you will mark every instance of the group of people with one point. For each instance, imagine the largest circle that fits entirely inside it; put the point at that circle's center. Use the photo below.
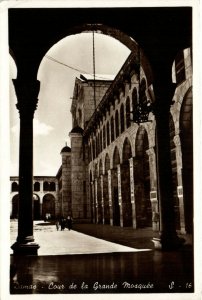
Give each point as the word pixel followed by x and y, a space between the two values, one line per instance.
pixel 64 223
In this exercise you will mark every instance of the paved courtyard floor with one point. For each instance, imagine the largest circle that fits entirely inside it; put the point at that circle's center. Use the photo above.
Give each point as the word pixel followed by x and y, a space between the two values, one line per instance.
pixel 99 259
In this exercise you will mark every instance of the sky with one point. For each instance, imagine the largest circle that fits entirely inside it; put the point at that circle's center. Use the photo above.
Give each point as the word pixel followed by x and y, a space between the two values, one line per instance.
pixel 52 119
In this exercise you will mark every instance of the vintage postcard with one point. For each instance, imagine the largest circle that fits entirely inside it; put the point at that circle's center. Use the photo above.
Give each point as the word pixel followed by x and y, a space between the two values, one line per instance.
pixel 100 149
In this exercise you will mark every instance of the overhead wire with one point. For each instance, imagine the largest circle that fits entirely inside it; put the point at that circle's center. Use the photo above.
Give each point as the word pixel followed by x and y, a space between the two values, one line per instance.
pixel 75 69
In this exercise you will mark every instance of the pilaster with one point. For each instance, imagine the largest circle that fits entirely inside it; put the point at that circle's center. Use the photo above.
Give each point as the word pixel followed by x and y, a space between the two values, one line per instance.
pixel 110 196
pixel 179 179
pixel 164 91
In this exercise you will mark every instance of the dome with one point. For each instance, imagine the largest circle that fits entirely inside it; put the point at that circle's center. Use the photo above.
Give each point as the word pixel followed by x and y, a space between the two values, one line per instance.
pixel 66 149
pixel 77 129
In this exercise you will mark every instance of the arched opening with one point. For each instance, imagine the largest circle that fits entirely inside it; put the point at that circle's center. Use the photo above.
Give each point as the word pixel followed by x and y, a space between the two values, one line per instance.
pixel 92 199
pixel 128 122
pixel 46 186
pixel 98 143
pixel 14 187
pixel 36 186
pixel 106 190
pixel 186 136
pixel 14 212
pixel 134 101
pixel 99 194
pixel 108 134
pixel 115 191
pixel 36 210
pixel 48 207
pixel 142 180
pixel 122 119
pixel 52 186
pixel 125 184
pixel 117 124
pixel 112 129
pixel 101 145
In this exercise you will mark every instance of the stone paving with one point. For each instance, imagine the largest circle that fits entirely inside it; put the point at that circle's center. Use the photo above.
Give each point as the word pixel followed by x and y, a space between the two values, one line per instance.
pixel 98 259
pixel 53 242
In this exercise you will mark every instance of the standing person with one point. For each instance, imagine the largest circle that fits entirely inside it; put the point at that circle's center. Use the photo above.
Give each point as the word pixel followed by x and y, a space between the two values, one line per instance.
pixel 62 224
pixel 57 223
pixel 69 222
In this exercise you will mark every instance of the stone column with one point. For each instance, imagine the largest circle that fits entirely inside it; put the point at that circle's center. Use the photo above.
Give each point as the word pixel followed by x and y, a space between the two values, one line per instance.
pixel 92 193
pixel 27 93
pixel 110 196
pixel 96 202
pixel 179 179
pixel 106 199
pixel 132 194
pixel 102 199
pixel 153 188
pixel 163 91
pixel 120 194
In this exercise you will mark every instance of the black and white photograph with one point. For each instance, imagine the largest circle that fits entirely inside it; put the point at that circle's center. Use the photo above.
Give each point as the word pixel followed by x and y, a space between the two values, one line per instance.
pixel 100 134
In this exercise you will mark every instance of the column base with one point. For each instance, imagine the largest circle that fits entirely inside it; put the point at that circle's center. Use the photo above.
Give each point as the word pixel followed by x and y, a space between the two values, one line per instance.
pixel 168 243
pixel 25 249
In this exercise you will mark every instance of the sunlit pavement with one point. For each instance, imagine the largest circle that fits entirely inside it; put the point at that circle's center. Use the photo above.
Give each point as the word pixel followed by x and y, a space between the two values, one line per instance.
pixel 53 242
pixel 75 262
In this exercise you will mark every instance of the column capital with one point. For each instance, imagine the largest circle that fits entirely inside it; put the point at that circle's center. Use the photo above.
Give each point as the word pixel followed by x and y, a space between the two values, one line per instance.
pixel 27 95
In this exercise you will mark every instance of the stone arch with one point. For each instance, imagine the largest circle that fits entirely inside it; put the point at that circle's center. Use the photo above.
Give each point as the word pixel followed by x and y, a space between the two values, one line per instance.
pixel 48 206
pixel 107 162
pixel 122 118
pixel 114 186
pixel 112 128
pixel 14 187
pixel 95 171
pixel 94 149
pixel 99 219
pixel 52 186
pixel 128 118
pixel 98 143
pixel 117 124
pixel 142 91
pixel 90 176
pixel 142 180
pixel 37 186
pixel 101 145
pixel 126 184
pixel 127 150
pixel 91 195
pixel 116 157
pixel 46 186
pixel 104 137
pixel 108 139
pixel 134 101
pixel 36 207
pixel 186 136
pixel 106 30
pixel 100 168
